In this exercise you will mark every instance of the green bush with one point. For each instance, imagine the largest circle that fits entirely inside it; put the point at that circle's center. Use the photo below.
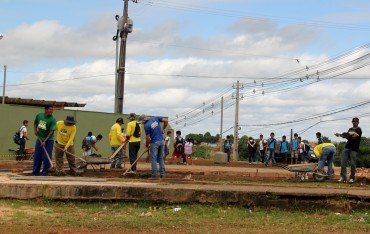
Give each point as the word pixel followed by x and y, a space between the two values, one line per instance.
pixel 202 152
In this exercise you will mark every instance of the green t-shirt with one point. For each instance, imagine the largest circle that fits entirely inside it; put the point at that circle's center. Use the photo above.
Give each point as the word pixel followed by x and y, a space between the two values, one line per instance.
pixel 45 125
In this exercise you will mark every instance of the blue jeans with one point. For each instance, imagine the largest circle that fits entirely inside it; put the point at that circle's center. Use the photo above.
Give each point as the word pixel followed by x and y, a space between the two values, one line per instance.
pixel 348 154
pixel 327 155
pixel 270 155
pixel 118 159
pixel 41 158
pixel 156 156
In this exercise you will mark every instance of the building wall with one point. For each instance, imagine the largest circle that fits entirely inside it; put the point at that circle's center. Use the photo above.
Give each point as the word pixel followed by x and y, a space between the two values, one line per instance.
pixel 12 117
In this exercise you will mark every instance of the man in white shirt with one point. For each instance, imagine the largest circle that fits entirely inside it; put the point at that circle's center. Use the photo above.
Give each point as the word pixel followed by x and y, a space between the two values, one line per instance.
pixel 23 137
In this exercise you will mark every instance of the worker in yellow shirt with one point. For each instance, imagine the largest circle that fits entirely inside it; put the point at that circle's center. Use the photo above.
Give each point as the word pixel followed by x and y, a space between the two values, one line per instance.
pixel 133 133
pixel 325 152
pixel 116 139
pixel 66 131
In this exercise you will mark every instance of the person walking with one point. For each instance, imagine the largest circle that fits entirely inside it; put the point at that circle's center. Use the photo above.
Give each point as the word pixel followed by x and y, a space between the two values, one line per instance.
pixel 133 134
pixel 66 132
pixel 23 136
pixel 154 137
pixel 271 147
pixel 116 139
pixel 44 127
pixel 227 147
pixel 353 136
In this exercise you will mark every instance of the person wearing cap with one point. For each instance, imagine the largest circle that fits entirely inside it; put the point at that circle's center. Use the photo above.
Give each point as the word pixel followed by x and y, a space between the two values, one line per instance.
pixel 116 139
pixel 353 136
pixel 325 152
pixel 44 127
pixel 133 133
pixel 154 137
pixel 66 132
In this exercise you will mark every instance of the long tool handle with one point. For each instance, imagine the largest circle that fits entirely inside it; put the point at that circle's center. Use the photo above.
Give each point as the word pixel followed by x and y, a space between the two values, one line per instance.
pixel 128 169
pixel 117 150
pixel 46 152
pixel 83 160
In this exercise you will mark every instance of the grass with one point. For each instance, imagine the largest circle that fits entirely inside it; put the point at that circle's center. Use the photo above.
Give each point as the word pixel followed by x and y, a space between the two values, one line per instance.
pixel 18 216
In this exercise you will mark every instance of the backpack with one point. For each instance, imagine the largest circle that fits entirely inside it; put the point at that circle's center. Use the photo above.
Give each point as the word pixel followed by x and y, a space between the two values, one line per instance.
pixel 86 144
pixel 17 137
pixel 306 148
pixel 137 132
pixel 272 142
pixel 227 145
pixel 179 145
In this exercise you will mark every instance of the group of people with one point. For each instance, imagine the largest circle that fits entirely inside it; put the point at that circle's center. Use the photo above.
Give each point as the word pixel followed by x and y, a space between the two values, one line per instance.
pixel 45 125
pixel 299 150
pixel 157 146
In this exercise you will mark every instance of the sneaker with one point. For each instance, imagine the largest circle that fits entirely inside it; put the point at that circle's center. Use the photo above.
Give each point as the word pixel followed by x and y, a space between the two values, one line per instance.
pixel 341 180
pixel 351 181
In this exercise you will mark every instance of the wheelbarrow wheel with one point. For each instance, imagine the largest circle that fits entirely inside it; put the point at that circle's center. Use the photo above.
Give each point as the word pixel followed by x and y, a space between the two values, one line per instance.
pixel 319 176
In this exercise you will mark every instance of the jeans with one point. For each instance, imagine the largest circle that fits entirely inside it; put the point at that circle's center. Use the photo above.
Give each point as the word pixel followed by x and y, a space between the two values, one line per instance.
pixel 263 155
pixel 327 155
pixel 40 158
pixel 156 156
pixel 270 155
pixel 227 151
pixel 133 148
pixel 348 154
pixel 118 159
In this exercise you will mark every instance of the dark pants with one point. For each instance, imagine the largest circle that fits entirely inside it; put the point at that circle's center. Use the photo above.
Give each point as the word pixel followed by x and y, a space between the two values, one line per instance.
pixel 40 158
pixel 227 151
pixel 133 148
pixel 22 146
pixel 252 156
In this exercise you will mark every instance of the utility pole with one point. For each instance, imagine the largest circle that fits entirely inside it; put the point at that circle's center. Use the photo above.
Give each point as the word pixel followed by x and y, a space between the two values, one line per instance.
pixel 124 31
pixel 4 84
pixel 222 119
pixel 236 124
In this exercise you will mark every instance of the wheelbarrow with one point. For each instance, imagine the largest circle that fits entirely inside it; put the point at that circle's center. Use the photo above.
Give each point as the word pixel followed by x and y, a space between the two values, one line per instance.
pixel 318 175
pixel 93 161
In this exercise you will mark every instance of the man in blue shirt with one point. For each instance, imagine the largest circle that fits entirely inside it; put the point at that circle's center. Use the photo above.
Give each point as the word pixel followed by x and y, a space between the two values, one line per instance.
pixel 154 138
pixel 271 147
pixel 294 155
pixel 284 148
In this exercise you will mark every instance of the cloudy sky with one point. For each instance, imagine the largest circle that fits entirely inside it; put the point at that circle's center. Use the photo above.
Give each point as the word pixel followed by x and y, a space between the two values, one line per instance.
pixel 295 60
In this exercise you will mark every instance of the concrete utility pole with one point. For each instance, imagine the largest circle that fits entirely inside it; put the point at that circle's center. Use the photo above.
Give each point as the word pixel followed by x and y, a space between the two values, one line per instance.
pixel 4 84
pixel 236 124
pixel 222 120
pixel 126 29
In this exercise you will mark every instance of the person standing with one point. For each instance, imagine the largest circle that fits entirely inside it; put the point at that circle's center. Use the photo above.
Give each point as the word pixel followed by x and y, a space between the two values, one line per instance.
pixel 271 147
pixel 325 152
pixel 44 127
pixel 252 150
pixel 178 152
pixel 66 132
pixel 353 136
pixel 23 136
pixel 133 134
pixel 319 138
pixel 295 153
pixel 167 142
pixel 188 151
pixel 154 137
pixel 116 139
pixel 284 148
pixel 227 147
pixel 262 148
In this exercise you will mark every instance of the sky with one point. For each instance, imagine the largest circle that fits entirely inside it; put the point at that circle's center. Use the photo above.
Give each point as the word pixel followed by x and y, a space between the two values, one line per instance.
pixel 302 65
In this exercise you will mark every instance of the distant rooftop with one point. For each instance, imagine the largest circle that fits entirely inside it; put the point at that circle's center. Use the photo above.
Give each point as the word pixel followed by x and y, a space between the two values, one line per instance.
pixel 33 102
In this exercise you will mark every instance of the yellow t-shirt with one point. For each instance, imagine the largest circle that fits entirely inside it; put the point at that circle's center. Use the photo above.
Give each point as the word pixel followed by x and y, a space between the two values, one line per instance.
pixel 65 134
pixel 319 148
pixel 115 135
pixel 130 131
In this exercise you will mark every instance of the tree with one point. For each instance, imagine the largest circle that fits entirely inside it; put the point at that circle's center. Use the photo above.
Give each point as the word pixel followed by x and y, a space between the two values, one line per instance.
pixel 363 159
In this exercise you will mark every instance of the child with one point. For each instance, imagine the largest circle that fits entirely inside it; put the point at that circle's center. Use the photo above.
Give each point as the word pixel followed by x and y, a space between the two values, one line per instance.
pixel 271 147
pixel 188 150
pixel 179 148
pixel 167 141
